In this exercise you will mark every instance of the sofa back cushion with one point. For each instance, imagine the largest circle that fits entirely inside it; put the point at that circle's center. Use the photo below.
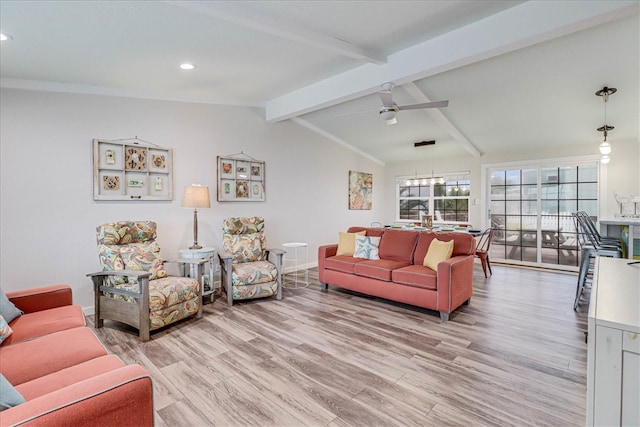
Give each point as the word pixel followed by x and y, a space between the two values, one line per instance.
pixel 369 231
pixel 464 244
pixel 398 245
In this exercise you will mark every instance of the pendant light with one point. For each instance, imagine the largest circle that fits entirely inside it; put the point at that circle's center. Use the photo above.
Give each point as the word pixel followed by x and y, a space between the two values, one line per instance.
pixel 605 147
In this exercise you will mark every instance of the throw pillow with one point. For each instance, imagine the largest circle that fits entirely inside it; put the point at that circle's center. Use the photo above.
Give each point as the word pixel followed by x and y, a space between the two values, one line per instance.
pixel 347 243
pixel 5 329
pixel 367 247
pixel 145 257
pixel 438 251
pixel 9 396
pixel 7 309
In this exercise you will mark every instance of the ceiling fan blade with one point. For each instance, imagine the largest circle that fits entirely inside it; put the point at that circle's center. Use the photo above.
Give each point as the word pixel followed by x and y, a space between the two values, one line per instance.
pixel 355 113
pixel 436 104
pixel 386 98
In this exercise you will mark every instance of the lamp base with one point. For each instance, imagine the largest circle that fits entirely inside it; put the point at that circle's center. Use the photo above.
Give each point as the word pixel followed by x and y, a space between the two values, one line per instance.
pixel 195 246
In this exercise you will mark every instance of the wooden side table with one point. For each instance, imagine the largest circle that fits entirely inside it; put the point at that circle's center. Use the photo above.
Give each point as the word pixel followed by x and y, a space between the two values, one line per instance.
pixel 207 287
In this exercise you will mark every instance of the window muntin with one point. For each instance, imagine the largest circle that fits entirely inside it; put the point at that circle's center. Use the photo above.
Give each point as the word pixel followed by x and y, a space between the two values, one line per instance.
pixel 420 197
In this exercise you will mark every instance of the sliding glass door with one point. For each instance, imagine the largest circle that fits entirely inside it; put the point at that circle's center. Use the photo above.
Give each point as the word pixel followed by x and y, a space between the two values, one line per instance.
pixel 530 212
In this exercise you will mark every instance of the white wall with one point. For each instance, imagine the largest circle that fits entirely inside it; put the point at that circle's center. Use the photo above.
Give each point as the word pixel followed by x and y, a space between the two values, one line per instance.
pixel 47 212
pixel 48 215
pixel 621 174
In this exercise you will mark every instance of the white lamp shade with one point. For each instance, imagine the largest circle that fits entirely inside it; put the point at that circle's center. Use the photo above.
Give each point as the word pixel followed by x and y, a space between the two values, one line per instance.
pixel 195 196
pixel 605 159
pixel 605 148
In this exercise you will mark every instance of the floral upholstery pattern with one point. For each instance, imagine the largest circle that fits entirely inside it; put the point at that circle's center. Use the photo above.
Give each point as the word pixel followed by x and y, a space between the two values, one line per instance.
pixel 243 237
pixel 145 257
pixel 131 245
pixel 252 274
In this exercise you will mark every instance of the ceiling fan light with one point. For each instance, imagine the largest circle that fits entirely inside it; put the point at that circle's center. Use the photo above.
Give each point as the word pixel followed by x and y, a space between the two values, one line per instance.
pixel 388 114
pixel 605 159
pixel 605 148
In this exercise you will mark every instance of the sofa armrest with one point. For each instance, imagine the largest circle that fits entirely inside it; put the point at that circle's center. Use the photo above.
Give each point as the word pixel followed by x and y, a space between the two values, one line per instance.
pixel 42 298
pixel 120 397
pixel 324 252
pixel 455 282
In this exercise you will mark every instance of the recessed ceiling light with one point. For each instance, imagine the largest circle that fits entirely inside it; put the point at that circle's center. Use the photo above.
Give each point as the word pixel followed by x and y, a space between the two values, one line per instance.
pixel 187 66
pixel 4 37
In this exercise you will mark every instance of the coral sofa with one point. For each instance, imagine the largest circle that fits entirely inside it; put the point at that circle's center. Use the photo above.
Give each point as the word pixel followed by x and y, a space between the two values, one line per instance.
pixel 399 275
pixel 63 372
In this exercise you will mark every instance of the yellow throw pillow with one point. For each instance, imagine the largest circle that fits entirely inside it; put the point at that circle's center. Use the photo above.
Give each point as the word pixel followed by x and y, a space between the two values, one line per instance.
pixel 438 251
pixel 347 243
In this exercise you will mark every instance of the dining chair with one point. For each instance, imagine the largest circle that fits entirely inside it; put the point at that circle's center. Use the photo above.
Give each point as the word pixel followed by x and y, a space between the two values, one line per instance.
pixel 483 244
pixel 591 246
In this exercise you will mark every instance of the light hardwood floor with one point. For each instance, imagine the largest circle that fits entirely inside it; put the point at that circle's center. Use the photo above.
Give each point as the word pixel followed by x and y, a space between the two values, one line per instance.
pixel 515 356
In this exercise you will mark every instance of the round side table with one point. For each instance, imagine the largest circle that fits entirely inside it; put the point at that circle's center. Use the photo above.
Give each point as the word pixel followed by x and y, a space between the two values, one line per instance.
pixel 208 280
pixel 300 279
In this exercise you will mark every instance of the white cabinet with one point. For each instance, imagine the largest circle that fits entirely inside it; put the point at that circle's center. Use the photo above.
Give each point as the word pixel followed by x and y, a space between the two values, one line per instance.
pixel 613 358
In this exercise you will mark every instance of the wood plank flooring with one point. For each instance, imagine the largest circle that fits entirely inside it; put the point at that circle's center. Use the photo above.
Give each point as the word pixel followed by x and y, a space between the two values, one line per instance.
pixel 516 356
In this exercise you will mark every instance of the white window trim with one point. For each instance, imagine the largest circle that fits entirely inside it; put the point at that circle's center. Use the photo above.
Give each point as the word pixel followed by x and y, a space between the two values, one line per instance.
pixel 401 181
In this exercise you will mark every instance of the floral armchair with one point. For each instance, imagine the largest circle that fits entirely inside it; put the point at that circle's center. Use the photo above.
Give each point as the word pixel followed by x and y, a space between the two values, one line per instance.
pixel 134 287
pixel 244 261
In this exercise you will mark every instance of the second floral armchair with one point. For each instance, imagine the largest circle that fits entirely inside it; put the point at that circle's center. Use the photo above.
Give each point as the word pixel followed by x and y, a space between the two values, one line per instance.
pixel 246 269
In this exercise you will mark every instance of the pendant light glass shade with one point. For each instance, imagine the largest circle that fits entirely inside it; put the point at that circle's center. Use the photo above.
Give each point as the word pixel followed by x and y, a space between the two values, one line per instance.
pixel 605 148
pixel 605 159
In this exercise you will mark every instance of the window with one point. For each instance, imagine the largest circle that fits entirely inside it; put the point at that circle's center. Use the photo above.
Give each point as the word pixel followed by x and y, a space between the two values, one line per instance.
pixel 446 198
pixel 530 210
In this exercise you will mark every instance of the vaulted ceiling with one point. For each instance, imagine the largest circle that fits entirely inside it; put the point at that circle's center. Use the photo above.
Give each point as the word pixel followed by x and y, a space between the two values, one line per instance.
pixel 516 74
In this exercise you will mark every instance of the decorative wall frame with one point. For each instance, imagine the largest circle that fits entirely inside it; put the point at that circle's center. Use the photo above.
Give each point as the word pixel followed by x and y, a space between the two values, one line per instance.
pixel 241 178
pixel 360 190
pixel 131 170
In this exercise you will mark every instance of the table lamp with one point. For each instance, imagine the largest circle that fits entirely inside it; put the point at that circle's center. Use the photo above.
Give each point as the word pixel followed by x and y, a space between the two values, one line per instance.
pixel 195 196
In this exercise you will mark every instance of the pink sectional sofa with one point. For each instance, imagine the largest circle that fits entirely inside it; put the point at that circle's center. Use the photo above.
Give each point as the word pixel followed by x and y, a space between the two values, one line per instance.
pixel 399 275
pixel 63 372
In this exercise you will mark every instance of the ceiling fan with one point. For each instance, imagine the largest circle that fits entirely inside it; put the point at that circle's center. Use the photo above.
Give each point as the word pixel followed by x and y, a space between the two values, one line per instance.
pixel 389 109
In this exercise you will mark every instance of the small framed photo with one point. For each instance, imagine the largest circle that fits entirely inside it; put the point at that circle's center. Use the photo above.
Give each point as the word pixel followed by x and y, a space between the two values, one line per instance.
pixel 242 170
pixel 427 221
pixel 256 190
pixel 256 171
pixel 227 167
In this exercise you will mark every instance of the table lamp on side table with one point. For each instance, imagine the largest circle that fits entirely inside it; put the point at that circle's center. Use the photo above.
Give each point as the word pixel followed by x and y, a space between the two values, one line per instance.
pixel 195 196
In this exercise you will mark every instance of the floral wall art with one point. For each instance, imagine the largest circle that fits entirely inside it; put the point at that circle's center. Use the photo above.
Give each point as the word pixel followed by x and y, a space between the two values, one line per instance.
pixel 360 190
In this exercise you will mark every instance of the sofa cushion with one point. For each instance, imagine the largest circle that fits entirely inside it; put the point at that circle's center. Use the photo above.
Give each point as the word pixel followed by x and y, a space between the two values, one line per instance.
pixel 463 244
pixel 367 247
pixel 438 251
pixel 418 276
pixel 369 231
pixel 44 322
pixel 9 396
pixel 398 245
pixel 380 269
pixel 342 263
pixel 347 243
pixel 7 309
pixel 27 360
pixel 68 376
pixel 5 329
